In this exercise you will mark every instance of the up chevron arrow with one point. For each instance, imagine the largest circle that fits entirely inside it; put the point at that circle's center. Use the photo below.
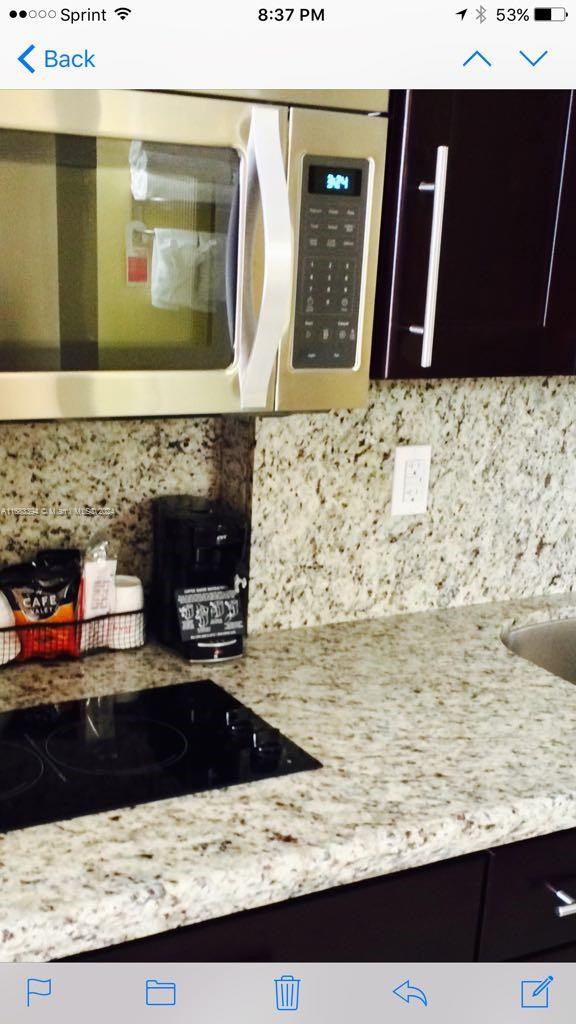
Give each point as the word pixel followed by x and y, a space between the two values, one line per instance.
pixel 533 62
pixel 477 54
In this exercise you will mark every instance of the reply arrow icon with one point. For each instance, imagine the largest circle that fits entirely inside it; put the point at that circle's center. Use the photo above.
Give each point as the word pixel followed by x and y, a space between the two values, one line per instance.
pixel 406 992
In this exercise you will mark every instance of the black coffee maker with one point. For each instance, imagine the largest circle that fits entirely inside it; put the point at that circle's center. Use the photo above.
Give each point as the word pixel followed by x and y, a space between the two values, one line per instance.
pixel 200 576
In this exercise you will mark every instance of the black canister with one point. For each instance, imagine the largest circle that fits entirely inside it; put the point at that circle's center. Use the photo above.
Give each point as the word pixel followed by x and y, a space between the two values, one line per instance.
pixel 199 592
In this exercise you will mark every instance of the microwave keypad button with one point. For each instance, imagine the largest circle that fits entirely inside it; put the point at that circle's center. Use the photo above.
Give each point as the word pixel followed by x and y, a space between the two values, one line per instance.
pixel 331 248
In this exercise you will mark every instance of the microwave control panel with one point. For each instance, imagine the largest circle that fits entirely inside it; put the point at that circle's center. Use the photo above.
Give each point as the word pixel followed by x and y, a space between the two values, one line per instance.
pixel 330 263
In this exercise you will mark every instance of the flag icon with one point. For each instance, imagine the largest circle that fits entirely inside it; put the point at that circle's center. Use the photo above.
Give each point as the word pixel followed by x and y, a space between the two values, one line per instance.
pixel 38 987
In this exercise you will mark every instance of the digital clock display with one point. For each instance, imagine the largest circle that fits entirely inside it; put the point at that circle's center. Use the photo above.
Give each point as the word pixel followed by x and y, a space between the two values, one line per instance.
pixel 334 181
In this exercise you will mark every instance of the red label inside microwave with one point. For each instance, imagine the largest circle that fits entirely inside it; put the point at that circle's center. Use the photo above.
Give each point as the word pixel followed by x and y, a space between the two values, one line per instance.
pixel 137 270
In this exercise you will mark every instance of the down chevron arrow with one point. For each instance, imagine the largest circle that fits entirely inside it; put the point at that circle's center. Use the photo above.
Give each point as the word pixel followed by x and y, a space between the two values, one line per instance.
pixel 533 62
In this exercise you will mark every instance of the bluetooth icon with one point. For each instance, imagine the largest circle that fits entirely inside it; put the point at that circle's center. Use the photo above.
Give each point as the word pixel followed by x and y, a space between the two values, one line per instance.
pixel 481 14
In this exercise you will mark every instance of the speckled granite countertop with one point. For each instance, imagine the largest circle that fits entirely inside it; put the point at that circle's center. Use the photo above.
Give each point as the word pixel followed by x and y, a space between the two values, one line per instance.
pixel 436 741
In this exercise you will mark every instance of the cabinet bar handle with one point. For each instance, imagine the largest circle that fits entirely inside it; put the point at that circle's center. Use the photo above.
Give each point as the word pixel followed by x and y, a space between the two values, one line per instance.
pixel 439 190
pixel 567 903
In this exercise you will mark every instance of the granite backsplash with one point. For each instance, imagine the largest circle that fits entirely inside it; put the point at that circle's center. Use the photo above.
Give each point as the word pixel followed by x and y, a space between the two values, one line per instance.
pixel 501 505
pixel 318 486
pixel 65 480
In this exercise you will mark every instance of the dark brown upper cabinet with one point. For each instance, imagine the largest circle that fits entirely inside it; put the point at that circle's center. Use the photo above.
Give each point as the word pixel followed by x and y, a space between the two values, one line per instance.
pixel 478 258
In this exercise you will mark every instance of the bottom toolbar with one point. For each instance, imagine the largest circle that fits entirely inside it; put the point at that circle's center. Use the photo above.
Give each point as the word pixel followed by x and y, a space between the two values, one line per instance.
pixel 257 993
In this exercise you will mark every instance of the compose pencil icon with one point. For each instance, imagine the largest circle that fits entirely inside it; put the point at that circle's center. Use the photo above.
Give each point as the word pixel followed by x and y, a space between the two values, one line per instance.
pixel 543 984
pixel 535 993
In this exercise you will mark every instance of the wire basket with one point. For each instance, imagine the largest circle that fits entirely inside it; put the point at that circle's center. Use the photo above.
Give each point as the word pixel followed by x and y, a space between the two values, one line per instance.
pixel 49 640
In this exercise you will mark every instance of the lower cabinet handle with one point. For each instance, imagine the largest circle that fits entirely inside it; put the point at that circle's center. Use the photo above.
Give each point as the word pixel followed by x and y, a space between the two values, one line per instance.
pixel 567 903
pixel 439 190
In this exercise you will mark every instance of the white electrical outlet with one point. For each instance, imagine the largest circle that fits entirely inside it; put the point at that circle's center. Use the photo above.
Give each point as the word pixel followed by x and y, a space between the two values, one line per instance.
pixel 411 478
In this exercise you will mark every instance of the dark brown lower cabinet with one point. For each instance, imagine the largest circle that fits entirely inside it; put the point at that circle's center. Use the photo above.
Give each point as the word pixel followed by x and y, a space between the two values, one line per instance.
pixel 426 914
pixel 565 954
pixel 519 920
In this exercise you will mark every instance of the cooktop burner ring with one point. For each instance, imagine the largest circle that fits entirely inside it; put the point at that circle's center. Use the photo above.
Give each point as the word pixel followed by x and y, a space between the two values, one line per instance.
pixel 135 746
pixel 20 769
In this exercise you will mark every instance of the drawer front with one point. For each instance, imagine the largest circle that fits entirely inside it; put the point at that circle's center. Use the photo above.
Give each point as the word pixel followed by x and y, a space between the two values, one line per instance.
pixel 520 910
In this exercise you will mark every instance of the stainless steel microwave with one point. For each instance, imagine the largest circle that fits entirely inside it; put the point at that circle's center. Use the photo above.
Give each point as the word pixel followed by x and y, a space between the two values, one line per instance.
pixel 172 254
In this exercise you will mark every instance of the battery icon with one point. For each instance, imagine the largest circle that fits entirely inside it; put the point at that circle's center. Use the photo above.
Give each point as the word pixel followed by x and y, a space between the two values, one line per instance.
pixel 550 14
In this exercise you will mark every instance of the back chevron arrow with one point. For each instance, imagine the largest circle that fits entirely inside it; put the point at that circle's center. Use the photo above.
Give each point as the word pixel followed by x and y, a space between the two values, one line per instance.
pixel 24 62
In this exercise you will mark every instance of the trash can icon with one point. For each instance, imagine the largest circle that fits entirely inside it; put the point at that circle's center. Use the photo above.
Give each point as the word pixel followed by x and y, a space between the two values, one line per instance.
pixel 287 992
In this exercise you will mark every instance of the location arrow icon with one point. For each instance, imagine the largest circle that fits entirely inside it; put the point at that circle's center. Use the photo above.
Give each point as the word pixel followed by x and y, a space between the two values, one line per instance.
pixel 462 14
pixel 406 992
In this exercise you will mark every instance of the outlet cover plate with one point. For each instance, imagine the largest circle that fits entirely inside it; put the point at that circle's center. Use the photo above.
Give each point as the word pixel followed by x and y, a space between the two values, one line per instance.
pixel 411 479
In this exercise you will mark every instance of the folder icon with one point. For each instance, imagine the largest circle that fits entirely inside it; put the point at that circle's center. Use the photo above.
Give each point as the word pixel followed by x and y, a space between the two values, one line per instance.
pixel 160 993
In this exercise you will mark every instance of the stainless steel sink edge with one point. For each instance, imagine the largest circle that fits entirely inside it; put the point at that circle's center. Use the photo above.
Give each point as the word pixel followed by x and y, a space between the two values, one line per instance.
pixel 550 645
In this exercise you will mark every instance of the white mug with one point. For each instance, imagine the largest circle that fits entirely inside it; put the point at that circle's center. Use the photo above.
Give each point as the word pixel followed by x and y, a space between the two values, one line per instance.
pixel 127 630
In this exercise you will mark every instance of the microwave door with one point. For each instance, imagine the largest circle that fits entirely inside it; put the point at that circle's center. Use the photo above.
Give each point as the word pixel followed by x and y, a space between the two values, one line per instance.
pixel 335 179
pixel 139 220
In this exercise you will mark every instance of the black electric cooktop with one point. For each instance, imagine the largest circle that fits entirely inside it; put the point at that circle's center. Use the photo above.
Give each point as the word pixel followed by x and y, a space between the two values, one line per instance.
pixel 60 761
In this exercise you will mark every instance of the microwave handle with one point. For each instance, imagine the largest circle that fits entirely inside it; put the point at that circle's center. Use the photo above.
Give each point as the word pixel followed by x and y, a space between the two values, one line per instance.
pixel 261 335
pixel 438 187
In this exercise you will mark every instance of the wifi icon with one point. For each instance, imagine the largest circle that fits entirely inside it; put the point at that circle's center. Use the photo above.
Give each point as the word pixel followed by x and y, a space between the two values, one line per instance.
pixel 123 12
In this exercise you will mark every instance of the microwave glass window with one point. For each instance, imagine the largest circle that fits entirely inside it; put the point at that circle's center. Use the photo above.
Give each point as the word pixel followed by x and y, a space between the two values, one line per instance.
pixel 123 256
pixel 334 181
